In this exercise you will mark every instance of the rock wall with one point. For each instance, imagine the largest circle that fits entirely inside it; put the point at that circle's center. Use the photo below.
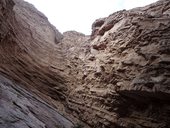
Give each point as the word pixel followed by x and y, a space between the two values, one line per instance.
pixel 28 48
pixel 30 58
pixel 124 78
pixel 119 77
pixel 21 109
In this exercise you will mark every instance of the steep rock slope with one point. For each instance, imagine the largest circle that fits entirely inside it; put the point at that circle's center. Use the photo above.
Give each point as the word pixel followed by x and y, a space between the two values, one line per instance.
pixel 117 78
pixel 30 57
pixel 29 53
pixel 75 47
pixel 21 109
pixel 124 78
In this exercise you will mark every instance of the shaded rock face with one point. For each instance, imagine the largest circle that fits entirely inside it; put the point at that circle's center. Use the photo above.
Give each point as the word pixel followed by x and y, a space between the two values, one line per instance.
pixel 117 78
pixel 28 48
pixel 28 54
pixel 21 109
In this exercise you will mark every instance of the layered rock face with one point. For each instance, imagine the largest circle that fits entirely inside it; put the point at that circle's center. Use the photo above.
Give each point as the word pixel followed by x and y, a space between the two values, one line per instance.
pixel 119 77
pixel 21 109
pixel 30 57
pixel 28 46
pixel 125 74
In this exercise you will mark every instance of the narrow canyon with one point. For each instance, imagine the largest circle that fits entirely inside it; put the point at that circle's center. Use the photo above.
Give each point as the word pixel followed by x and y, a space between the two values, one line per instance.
pixel 117 77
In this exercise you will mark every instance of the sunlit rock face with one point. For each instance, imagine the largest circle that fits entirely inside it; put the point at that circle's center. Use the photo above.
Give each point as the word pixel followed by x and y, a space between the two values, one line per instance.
pixel 119 77
pixel 124 79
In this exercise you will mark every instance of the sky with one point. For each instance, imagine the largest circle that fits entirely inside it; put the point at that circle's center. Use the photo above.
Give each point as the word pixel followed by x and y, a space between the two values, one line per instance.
pixel 79 15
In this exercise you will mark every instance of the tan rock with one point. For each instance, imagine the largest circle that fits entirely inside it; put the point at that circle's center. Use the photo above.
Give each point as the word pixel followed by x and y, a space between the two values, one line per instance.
pixel 117 77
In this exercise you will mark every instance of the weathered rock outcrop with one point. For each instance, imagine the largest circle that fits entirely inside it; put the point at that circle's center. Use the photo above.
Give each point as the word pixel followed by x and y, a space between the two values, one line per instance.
pixel 21 109
pixel 28 46
pixel 125 75
pixel 117 78
pixel 30 57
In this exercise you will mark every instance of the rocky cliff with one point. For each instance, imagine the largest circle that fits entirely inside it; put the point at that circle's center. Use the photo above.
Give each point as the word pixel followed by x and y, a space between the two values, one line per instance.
pixel 30 58
pixel 119 77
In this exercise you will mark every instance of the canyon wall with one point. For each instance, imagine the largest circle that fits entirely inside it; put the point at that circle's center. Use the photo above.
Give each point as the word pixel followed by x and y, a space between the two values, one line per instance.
pixel 123 80
pixel 30 57
pixel 118 77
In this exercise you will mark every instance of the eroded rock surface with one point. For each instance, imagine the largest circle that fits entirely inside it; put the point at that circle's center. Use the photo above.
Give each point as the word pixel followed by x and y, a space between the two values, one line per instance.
pixel 30 57
pixel 28 53
pixel 125 75
pixel 117 78
pixel 21 109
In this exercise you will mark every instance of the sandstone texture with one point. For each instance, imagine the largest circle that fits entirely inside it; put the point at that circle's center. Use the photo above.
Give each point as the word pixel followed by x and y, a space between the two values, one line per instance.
pixel 125 75
pixel 119 77
pixel 28 54
pixel 21 109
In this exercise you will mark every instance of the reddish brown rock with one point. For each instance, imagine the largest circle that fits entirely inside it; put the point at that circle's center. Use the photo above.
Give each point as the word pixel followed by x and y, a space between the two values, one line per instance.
pixel 127 84
pixel 119 78
pixel 28 54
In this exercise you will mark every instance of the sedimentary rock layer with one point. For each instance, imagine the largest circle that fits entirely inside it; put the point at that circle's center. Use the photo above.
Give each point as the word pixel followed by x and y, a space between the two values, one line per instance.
pixel 21 109
pixel 30 57
pixel 125 77
pixel 119 77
